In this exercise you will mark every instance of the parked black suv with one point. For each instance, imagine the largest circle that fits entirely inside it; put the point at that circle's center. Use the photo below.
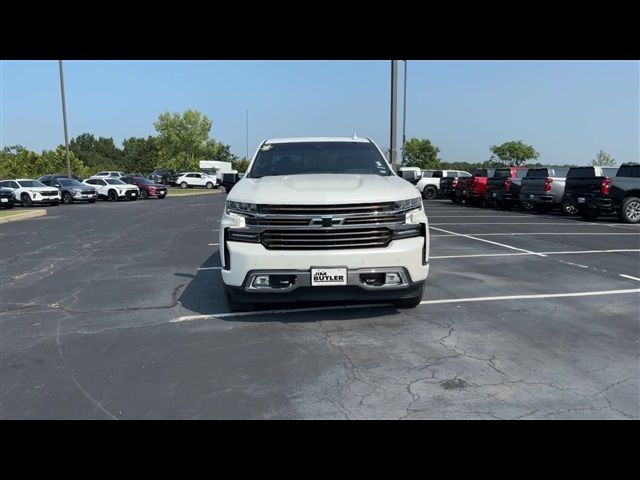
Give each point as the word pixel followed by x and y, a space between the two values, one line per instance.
pixel 161 175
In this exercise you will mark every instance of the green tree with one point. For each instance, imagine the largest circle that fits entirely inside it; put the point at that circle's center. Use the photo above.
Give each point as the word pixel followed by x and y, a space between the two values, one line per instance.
pixel 140 155
pixel 421 153
pixel 97 154
pixel 512 153
pixel 603 159
pixel 18 162
pixel 183 138
pixel 218 151
pixel 240 164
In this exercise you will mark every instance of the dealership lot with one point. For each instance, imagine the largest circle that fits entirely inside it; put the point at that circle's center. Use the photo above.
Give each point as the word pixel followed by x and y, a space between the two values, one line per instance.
pixel 116 311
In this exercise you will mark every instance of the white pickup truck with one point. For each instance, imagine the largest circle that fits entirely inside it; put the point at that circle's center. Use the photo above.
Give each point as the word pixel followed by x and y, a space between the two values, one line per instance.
pixel 323 218
pixel 430 186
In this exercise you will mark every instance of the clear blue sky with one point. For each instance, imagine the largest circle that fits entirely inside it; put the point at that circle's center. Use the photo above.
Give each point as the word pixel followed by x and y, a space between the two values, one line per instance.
pixel 567 110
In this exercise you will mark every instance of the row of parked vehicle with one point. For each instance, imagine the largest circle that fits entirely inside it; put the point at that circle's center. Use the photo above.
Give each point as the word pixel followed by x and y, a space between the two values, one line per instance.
pixel 588 191
pixel 107 185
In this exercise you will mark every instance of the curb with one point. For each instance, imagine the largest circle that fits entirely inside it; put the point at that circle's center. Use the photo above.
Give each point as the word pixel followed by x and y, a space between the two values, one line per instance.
pixel 192 193
pixel 23 216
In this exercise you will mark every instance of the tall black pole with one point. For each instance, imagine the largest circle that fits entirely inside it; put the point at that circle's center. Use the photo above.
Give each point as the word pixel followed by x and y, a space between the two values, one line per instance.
pixel 64 119
pixel 394 111
pixel 404 112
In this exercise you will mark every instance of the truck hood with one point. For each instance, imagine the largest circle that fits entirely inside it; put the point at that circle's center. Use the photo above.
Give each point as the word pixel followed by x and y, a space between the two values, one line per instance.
pixel 318 189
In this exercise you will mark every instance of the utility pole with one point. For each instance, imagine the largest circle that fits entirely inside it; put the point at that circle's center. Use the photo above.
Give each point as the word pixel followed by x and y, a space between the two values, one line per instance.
pixel 404 112
pixel 64 119
pixel 247 157
pixel 394 113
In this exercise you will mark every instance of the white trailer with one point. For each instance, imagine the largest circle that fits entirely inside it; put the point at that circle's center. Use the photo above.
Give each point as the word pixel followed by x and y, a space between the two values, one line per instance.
pixel 217 168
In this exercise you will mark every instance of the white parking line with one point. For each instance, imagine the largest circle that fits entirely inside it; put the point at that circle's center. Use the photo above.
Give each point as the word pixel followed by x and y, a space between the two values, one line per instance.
pixel 630 277
pixel 188 318
pixel 453 234
pixel 570 252
pixel 212 244
pixel 532 233
pixel 524 297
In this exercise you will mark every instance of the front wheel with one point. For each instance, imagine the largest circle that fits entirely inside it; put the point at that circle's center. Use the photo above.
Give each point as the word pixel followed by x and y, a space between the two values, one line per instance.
pixel 630 210
pixel 112 196
pixel 235 306
pixel 144 195
pixel 25 200
pixel 429 193
pixel 184 185
pixel 209 185
pixel 67 199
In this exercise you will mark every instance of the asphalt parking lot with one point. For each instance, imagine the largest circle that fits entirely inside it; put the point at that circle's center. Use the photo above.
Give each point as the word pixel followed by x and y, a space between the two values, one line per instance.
pixel 116 312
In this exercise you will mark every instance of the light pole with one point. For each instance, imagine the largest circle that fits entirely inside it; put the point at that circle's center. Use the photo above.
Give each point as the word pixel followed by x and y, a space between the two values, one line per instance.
pixel 64 119
pixel 404 112
pixel 394 113
pixel 247 157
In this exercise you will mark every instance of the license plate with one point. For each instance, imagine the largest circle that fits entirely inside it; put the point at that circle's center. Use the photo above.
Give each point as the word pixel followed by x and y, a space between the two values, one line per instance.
pixel 580 199
pixel 493 194
pixel 327 277
pixel 133 194
pixel 4 200
pixel 530 197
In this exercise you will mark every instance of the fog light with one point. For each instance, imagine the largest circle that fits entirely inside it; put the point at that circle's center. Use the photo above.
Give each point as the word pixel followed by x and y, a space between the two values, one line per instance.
pixel 392 279
pixel 260 281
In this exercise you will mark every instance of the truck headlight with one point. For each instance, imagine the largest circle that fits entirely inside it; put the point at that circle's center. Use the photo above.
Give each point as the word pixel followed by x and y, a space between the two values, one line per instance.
pixel 408 204
pixel 241 208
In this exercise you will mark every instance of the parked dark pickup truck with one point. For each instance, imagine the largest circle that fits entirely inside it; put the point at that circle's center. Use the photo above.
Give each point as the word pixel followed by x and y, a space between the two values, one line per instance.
pixel 472 189
pixel 599 190
pixel 503 188
pixel 542 189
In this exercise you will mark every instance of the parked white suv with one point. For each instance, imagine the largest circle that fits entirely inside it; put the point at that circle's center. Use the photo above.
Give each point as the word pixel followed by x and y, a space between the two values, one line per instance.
pixel 109 174
pixel 113 188
pixel 28 192
pixel 197 179
pixel 430 186
pixel 323 219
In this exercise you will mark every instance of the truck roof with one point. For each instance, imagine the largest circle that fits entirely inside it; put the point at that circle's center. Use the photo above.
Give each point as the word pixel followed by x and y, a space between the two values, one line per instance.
pixel 271 141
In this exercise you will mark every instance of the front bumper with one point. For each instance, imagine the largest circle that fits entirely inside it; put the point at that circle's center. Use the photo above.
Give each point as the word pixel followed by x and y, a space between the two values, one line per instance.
pixel 312 294
pixel 246 257
pixel 37 198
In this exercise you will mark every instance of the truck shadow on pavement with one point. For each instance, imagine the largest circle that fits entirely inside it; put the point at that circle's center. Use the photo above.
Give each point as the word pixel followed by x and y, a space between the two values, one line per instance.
pixel 204 295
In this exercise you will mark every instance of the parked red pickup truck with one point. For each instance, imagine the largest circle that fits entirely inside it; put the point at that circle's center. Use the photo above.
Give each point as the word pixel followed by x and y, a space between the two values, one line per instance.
pixel 472 189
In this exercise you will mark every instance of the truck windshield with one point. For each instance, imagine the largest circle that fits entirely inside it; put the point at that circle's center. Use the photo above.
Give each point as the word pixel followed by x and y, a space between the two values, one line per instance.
pixel 302 158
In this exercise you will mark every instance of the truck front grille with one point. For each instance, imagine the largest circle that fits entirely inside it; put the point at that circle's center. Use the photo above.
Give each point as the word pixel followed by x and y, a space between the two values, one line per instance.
pixel 339 209
pixel 317 238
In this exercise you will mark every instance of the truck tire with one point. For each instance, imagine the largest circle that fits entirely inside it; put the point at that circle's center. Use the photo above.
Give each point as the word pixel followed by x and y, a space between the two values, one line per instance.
pixel 412 302
pixel 630 210
pixel 429 192
pixel 568 209
pixel 144 194
pixel 456 200
pixel 236 306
